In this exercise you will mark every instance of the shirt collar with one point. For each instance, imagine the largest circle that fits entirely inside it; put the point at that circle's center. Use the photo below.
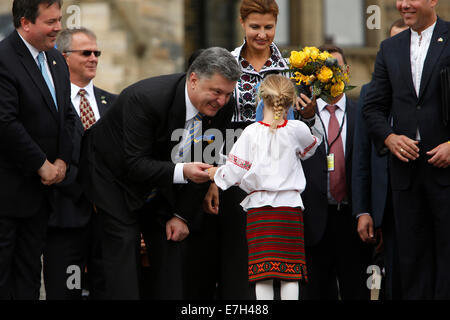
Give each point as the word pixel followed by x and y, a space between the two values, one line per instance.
pixel 191 110
pixel 341 104
pixel 34 52
pixel 427 33
pixel 89 89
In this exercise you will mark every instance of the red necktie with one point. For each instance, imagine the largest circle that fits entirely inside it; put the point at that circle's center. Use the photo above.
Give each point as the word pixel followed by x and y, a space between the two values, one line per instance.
pixel 337 177
pixel 86 113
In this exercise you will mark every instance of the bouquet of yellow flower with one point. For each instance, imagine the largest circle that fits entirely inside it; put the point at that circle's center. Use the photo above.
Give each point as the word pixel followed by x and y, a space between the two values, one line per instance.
pixel 320 71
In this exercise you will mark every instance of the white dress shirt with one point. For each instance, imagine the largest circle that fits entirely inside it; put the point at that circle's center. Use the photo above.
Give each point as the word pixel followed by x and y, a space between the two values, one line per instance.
pixel 34 53
pixel 419 50
pixel 90 96
pixel 191 112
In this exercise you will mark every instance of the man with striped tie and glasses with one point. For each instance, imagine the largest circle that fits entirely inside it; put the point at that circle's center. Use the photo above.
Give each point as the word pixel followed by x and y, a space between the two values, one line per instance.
pixel 73 236
pixel 129 172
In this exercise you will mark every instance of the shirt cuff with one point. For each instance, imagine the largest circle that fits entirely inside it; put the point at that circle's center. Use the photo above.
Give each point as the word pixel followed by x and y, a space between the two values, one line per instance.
pixel 362 214
pixel 180 217
pixel 178 176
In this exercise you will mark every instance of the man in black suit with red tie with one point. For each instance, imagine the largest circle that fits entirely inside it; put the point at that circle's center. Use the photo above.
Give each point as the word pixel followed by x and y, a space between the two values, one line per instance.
pixel 135 166
pixel 406 85
pixel 36 125
pixel 73 233
pixel 335 257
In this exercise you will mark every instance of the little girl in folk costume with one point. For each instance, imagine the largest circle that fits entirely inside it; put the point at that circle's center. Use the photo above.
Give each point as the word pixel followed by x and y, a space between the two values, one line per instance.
pixel 265 162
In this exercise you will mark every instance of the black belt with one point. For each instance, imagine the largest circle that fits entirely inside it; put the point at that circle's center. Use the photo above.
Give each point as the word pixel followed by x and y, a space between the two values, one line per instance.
pixel 339 207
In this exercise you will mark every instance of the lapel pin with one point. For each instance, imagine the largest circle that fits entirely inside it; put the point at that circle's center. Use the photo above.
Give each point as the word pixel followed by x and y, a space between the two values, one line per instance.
pixel 103 99
pixel 54 62
pixel 440 40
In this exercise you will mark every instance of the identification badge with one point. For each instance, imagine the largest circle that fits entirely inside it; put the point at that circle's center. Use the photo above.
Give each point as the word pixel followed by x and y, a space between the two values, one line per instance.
pixel 330 162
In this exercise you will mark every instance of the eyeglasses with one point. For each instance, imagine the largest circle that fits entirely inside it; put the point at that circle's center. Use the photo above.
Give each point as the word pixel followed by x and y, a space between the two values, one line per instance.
pixel 87 53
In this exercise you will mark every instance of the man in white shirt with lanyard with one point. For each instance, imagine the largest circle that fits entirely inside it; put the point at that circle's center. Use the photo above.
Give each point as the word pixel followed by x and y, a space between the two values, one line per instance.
pixel 335 257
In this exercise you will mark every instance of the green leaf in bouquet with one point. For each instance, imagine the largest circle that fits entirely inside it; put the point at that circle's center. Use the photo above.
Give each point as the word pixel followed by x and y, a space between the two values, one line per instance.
pixel 308 69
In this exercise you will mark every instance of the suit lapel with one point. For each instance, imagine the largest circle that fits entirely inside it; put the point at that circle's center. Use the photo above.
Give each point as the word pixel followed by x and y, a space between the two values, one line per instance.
pixel 32 69
pixel 177 113
pixel 56 79
pixel 434 52
pixel 350 129
pixel 78 124
pixel 404 60
pixel 101 101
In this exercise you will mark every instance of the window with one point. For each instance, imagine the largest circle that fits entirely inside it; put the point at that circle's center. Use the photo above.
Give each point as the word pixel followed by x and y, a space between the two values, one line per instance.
pixel 282 36
pixel 344 22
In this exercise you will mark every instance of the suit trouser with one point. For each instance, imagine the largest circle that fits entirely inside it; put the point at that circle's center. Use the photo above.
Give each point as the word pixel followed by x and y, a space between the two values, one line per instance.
pixel 21 245
pixel 120 247
pixel 234 284
pixel 167 259
pixel 202 262
pixel 337 264
pixel 79 247
pixel 391 259
pixel 422 217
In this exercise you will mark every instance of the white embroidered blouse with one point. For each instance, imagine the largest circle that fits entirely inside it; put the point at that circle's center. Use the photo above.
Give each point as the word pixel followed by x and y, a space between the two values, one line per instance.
pixel 267 164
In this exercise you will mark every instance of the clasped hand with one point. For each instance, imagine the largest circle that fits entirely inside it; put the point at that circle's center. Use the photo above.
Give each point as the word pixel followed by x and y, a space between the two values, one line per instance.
pixel 52 173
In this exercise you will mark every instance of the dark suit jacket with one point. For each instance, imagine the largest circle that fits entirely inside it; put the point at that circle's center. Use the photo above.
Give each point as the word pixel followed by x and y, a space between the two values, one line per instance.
pixel 70 207
pixel 31 129
pixel 131 151
pixel 392 92
pixel 315 196
pixel 370 171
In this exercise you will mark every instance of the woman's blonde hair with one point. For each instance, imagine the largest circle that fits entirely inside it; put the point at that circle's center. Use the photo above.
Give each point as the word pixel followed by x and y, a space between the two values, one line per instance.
pixel 279 93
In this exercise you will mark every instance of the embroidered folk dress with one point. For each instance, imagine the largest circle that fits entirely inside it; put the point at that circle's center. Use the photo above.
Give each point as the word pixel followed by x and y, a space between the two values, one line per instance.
pixel 246 87
pixel 267 166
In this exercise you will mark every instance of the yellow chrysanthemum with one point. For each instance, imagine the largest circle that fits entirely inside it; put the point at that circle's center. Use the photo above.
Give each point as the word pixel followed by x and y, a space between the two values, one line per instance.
pixel 325 74
pixel 337 89
pixel 312 52
pixel 325 55
pixel 298 59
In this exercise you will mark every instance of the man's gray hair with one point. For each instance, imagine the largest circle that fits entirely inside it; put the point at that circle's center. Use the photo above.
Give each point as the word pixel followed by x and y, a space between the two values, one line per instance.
pixel 64 40
pixel 216 60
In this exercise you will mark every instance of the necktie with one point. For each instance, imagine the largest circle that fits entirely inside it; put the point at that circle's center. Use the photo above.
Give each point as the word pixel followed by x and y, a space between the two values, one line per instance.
pixel 192 136
pixel 337 177
pixel 46 77
pixel 86 113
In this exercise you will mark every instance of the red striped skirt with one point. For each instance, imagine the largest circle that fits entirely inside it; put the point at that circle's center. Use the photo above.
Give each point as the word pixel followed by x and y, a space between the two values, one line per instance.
pixel 275 244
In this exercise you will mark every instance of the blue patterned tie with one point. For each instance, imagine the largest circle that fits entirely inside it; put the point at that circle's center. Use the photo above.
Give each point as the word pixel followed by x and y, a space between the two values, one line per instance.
pixel 193 136
pixel 43 69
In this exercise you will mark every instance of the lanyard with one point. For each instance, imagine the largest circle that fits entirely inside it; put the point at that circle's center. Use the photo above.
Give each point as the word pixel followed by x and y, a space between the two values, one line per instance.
pixel 329 145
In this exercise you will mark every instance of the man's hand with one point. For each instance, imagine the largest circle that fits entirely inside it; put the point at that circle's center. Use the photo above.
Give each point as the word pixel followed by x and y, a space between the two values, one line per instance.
pixel 365 229
pixel 49 173
pixel 195 171
pixel 176 229
pixel 402 147
pixel 211 201
pixel 440 156
pixel 62 168
pixel 305 106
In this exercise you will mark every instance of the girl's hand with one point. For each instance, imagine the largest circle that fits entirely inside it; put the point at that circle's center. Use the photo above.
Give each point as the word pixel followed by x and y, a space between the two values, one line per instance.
pixel 212 173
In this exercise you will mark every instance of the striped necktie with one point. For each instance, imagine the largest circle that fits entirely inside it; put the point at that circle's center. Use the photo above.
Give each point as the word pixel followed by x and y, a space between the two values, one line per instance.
pixel 46 77
pixel 192 136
